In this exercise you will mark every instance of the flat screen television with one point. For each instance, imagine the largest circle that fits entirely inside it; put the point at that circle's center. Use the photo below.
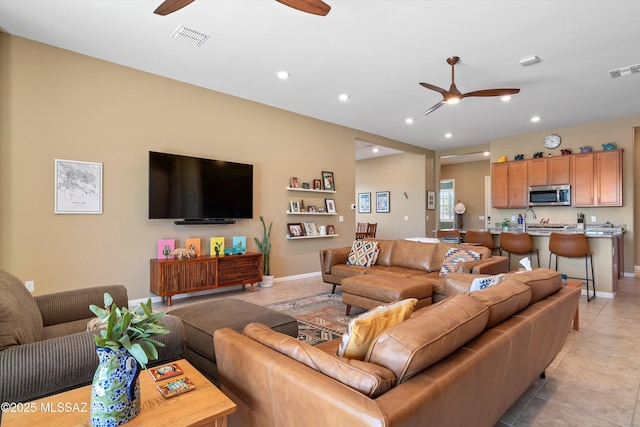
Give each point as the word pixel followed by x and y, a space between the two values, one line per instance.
pixel 198 189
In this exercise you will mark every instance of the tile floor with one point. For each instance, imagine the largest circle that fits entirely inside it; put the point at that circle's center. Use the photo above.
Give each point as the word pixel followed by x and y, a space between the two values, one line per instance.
pixel 594 381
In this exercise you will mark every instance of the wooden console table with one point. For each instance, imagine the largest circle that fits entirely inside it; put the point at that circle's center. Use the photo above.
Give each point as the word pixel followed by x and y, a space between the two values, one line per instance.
pixel 175 276
pixel 206 405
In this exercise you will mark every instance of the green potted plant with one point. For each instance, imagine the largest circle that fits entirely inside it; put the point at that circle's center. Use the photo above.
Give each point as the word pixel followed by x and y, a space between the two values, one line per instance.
pixel 506 223
pixel 124 346
pixel 264 246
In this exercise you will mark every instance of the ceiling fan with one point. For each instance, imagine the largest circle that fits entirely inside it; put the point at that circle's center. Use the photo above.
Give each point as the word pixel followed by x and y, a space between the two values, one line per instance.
pixel 453 95
pixel 316 7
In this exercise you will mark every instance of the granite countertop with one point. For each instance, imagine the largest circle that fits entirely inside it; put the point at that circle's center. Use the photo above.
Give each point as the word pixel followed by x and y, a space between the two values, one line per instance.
pixel 596 230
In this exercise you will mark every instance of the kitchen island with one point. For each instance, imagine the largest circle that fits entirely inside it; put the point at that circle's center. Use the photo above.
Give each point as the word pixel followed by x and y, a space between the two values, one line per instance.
pixel 606 244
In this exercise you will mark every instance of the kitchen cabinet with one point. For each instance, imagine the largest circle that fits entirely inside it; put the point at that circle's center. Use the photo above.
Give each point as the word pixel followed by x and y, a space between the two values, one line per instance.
pixel 549 171
pixel 596 178
pixel 509 182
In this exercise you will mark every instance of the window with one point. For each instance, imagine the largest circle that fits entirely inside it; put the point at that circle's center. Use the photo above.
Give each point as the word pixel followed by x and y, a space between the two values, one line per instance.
pixel 447 197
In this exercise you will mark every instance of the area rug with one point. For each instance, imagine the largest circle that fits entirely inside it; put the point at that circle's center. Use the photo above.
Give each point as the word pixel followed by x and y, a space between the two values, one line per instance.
pixel 320 317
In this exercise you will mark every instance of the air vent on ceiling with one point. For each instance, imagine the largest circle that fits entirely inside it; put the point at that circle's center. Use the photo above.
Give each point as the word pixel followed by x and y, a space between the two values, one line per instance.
pixel 625 71
pixel 190 36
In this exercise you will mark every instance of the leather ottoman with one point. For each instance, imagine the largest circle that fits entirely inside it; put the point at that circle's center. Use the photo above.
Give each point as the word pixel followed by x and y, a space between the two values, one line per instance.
pixel 371 290
pixel 202 319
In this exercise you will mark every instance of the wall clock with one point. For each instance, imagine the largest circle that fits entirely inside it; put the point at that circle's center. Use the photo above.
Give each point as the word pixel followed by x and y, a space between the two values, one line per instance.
pixel 552 141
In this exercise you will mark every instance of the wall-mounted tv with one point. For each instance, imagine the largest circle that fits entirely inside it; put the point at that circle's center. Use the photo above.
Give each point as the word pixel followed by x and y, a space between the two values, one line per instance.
pixel 198 189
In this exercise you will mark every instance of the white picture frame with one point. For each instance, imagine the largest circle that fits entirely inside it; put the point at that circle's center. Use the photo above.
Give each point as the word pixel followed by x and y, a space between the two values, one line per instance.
pixel 77 187
pixel 310 228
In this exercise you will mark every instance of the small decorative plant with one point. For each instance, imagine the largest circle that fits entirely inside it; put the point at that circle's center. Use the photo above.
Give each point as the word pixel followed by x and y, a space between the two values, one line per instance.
pixel 264 246
pixel 506 223
pixel 131 329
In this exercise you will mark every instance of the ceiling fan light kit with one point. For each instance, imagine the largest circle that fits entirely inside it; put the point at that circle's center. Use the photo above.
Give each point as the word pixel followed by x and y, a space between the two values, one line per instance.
pixel 453 95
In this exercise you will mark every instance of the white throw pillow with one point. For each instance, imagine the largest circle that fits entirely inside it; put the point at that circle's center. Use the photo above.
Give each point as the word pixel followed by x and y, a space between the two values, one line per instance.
pixel 484 282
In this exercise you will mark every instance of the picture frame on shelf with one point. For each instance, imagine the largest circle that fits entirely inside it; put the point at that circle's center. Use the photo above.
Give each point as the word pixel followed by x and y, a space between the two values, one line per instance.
pixel 364 202
pixel 306 186
pixel 295 206
pixel 295 229
pixel 331 205
pixel 312 209
pixel 317 184
pixel 383 202
pixel 331 230
pixel 328 183
pixel 310 228
pixel 431 200
pixel 293 182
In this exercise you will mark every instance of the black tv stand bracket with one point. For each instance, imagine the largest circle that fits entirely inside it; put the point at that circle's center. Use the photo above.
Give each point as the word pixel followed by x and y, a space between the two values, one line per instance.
pixel 194 221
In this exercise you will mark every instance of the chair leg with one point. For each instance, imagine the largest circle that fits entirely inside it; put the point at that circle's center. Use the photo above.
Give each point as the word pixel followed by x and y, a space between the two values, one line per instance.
pixel 348 309
pixel 593 279
pixel 333 291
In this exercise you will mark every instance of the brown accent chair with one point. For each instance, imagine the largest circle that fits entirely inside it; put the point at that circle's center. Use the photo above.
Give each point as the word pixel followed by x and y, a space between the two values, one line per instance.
pixel 573 245
pixel 45 347
pixel 518 244
pixel 484 238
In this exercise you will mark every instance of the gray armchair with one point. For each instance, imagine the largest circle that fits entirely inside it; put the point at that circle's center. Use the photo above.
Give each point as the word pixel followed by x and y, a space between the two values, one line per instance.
pixel 44 345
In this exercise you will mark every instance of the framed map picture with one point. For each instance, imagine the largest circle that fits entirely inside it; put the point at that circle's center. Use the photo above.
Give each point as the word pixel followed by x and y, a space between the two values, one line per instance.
pixel 78 187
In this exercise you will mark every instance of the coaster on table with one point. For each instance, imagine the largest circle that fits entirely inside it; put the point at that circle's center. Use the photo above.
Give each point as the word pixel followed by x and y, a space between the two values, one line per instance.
pixel 165 371
pixel 176 387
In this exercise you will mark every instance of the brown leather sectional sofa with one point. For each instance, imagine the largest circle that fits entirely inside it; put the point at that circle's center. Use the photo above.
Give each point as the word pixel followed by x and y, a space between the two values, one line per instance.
pixel 408 259
pixel 461 362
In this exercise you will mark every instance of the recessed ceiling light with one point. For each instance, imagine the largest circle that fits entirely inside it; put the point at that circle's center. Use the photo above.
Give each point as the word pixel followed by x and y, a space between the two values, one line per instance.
pixel 375 149
pixel 283 75
pixel 448 135
pixel 486 153
pixel 343 97
pixel 408 120
pixel 535 119
pixel 506 98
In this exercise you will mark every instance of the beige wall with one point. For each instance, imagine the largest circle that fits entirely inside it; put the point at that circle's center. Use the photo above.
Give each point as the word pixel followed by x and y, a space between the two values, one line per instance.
pixel 58 104
pixel 399 174
pixel 620 131
pixel 469 188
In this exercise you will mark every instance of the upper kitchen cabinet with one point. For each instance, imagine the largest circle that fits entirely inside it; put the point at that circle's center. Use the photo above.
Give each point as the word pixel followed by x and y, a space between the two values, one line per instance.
pixel 509 182
pixel 596 178
pixel 549 171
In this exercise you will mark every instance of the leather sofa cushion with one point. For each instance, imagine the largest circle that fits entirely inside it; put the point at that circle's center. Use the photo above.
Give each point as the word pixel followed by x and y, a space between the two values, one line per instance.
pixel 430 335
pixel 20 318
pixel 386 249
pixel 346 270
pixel 542 281
pixel 503 300
pixel 368 378
pixel 414 255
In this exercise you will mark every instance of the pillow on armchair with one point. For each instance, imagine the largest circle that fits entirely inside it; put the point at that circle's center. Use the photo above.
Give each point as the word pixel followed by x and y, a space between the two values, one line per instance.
pixel 20 318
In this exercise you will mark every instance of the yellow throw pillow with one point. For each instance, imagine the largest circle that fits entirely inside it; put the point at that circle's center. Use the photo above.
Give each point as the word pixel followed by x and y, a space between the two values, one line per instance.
pixel 362 330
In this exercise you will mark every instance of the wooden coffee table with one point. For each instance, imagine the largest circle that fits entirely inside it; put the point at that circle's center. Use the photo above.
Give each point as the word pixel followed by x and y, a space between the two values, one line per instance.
pixel 206 405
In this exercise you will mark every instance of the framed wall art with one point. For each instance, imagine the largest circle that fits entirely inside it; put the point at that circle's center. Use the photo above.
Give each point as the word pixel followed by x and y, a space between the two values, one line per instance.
pixel 364 202
pixel 431 200
pixel 310 228
pixel 383 202
pixel 78 187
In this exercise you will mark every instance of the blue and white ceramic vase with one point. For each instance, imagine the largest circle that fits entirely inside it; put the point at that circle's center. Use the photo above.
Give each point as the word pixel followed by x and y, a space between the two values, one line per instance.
pixel 115 393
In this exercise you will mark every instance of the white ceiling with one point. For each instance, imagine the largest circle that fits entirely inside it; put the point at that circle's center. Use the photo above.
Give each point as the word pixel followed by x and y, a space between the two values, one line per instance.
pixel 377 52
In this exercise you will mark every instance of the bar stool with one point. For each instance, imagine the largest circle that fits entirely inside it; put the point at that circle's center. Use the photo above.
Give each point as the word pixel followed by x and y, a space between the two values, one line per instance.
pixel 484 238
pixel 573 245
pixel 518 244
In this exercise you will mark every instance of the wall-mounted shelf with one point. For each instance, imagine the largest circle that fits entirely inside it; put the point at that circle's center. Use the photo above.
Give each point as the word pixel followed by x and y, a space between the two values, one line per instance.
pixel 311 213
pixel 312 237
pixel 310 190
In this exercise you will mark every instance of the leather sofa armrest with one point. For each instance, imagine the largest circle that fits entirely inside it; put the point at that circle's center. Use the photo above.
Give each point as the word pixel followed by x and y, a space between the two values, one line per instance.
pixel 68 306
pixel 493 265
pixel 332 256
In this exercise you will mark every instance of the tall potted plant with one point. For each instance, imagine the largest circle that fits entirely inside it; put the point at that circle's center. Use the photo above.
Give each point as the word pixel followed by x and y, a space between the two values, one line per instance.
pixel 264 246
pixel 124 345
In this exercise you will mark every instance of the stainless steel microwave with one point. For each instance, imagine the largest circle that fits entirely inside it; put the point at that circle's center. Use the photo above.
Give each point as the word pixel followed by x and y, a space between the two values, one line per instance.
pixel 550 195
